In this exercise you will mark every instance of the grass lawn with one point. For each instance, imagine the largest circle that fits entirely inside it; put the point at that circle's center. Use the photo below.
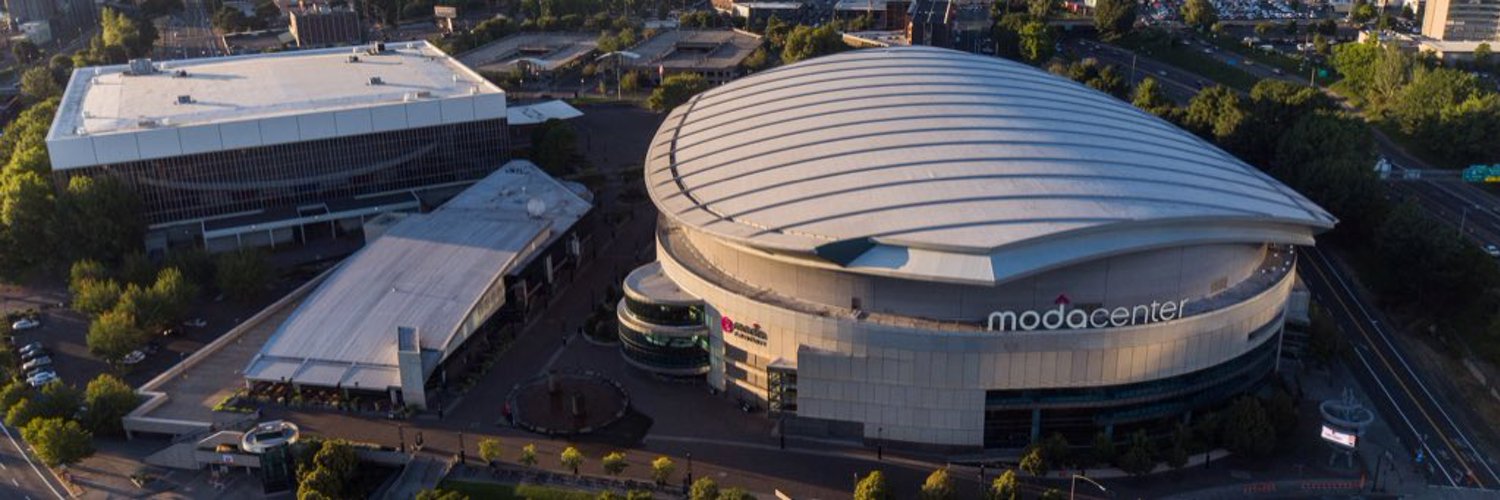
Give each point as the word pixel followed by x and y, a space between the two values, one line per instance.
pixel 492 491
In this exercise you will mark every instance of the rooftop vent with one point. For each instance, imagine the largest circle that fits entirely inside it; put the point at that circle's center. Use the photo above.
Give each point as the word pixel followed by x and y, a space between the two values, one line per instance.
pixel 353 58
pixel 375 80
pixel 181 73
pixel 184 99
pixel 142 66
pixel 377 49
pixel 146 123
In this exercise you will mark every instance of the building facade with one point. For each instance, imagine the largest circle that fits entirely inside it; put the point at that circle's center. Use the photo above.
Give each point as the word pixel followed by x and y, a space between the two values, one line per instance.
pixel 320 26
pixel 1462 20
pixel 266 149
pixel 975 255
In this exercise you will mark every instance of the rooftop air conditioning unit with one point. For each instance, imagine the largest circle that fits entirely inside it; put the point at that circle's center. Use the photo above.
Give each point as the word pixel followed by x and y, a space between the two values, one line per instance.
pixel 375 80
pixel 181 73
pixel 184 99
pixel 141 66
pixel 353 58
pixel 146 123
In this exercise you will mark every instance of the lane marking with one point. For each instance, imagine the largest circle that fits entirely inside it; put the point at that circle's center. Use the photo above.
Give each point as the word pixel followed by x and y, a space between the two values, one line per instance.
pixel 34 468
pixel 1392 369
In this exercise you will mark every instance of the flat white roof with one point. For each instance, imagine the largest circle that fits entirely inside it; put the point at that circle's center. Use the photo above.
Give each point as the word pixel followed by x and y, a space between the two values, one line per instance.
pixel 286 96
pixel 429 272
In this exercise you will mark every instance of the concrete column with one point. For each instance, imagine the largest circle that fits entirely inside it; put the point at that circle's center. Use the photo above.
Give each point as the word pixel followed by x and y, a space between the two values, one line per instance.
pixel 1036 425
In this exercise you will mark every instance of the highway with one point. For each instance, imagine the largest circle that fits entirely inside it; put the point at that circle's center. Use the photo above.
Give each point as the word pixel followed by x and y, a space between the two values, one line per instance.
pixel 1403 396
pixel 1406 403
pixel 189 34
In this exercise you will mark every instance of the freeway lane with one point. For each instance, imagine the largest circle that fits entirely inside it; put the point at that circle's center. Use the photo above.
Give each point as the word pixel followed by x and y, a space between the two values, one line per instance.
pixel 20 475
pixel 1408 404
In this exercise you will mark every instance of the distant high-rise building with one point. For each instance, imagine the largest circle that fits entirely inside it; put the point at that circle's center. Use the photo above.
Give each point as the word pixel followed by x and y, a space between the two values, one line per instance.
pixel 1462 20
pixel 30 10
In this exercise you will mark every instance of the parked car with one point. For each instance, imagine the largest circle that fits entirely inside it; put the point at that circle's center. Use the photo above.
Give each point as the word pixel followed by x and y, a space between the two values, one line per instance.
pixel 43 361
pixel 35 353
pixel 25 324
pixel 196 323
pixel 133 358
pixel 41 378
pixel 30 347
pixel 1492 250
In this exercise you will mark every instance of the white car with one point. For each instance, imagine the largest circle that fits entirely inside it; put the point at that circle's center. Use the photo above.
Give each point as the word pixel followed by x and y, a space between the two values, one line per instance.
pixel 133 358
pixel 25 324
pixel 1492 250
pixel 195 323
pixel 36 363
pixel 41 378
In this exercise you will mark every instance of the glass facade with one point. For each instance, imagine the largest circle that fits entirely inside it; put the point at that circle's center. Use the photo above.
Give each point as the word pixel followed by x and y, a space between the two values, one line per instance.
pixel 1011 416
pixel 665 315
pixel 285 175
pixel 668 354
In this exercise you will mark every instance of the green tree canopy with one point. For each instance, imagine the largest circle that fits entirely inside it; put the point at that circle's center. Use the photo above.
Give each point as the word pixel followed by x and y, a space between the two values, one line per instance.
pixel 872 487
pixel 1216 114
pixel 38 83
pixel 614 463
pixel 93 297
pixel 489 449
pixel 805 42
pixel 1114 18
pixel 101 218
pixel 938 486
pixel 676 90
pixel 1150 97
pixel 58 441
pixel 704 489
pixel 1200 14
pixel 108 400
pixel 113 335
pixel 1140 455
pixel 1248 430
pixel 242 275
pixel 1036 42
pixel 661 470
pixel 571 458
pixel 1004 487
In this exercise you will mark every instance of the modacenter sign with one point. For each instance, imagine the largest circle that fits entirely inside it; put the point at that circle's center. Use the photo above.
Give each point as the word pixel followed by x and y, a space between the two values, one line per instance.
pixel 1062 317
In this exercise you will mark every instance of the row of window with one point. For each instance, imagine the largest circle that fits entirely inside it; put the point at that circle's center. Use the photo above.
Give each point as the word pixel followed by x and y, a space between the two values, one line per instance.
pixel 667 353
pixel 665 315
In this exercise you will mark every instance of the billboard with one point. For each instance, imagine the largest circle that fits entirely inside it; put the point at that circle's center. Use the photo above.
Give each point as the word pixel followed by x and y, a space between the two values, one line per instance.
pixel 445 12
pixel 1339 437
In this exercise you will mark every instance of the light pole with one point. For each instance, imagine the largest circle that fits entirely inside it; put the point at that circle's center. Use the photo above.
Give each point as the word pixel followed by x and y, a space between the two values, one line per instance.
pixel 1073 485
pixel 618 62
pixel 1463 221
pixel 880 443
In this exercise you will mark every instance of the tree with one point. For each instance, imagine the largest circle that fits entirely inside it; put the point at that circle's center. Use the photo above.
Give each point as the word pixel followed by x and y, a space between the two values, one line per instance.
pixel 1482 55
pixel 119 30
pixel 571 458
pixel 175 292
pixel 1264 28
pixel 101 218
pixel 1176 454
pixel 1114 18
pixel 704 489
pixel 108 400
pixel 676 90
pixel 1036 42
pixel 242 275
pixel 872 487
pixel 25 51
pixel 58 441
pixel 1248 431
pixel 1056 451
pixel 1320 44
pixel 553 146
pixel 1215 113
pixel 805 42
pixel 735 494
pixel 528 455
pixel 1004 487
pixel 1291 27
pixel 38 84
pixel 614 463
pixel 661 470
pixel 57 399
pixel 21 413
pixel 12 392
pixel 83 271
pixel 441 494
pixel 1039 9
pixel 489 450
pixel 26 211
pixel 1103 450
pixel 758 60
pixel 136 269
pixel 1199 14
pixel 1139 458
pixel 150 310
pixel 938 486
pixel 113 335
pixel 96 296
pixel 319 483
pixel 1151 99
pixel 1328 157
pixel 1033 460
pixel 338 457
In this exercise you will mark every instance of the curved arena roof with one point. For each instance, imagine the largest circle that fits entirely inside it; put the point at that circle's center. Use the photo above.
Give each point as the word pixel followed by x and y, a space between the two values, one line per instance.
pixel 927 162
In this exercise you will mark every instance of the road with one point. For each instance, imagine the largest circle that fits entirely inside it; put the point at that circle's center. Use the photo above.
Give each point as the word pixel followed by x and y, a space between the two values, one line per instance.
pixel 21 476
pixel 1419 415
pixel 189 34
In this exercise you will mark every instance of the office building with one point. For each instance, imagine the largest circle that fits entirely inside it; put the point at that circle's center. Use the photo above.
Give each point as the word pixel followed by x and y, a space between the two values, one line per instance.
pixel 266 149
pixel 952 251
pixel 1462 20
pixel 715 54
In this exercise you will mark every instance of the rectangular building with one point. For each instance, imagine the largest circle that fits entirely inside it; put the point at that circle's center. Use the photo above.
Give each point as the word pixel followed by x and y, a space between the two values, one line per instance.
pixel 1462 20
pixel 715 54
pixel 321 26
pixel 269 148
pixel 404 307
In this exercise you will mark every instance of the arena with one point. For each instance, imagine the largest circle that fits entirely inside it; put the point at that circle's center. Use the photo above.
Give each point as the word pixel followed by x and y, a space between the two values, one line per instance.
pixel 949 251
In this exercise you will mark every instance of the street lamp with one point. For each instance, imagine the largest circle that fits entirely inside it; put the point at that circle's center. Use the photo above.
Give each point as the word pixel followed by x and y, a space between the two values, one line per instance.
pixel 617 55
pixel 1073 485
